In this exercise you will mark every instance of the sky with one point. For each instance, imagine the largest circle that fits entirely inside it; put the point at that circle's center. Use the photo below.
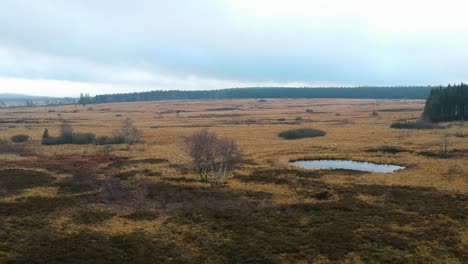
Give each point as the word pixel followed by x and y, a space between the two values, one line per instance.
pixel 64 48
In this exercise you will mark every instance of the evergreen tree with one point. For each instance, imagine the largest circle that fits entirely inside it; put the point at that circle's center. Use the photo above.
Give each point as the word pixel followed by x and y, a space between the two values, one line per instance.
pixel 447 104
pixel 45 135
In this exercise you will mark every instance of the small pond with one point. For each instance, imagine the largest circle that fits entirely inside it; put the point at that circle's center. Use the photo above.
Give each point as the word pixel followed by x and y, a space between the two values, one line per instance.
pixel 347 165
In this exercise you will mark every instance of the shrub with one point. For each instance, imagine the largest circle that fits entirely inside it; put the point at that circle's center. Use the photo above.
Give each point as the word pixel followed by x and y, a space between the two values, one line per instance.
pixel 419 124
pixel 309 111
pixel 83 138
pixel 214 159
pixel 301 133
pixel 67 136
pixel 20 138
pixel 298 118
pixel 105 140
pixel 129 132
pixel 8 148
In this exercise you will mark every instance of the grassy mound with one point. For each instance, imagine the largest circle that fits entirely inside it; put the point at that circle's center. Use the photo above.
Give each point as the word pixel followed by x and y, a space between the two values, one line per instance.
pixel 419 124
pixel 302 133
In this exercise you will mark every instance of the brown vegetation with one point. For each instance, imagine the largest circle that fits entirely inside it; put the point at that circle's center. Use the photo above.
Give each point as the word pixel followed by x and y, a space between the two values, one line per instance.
pixel 143 204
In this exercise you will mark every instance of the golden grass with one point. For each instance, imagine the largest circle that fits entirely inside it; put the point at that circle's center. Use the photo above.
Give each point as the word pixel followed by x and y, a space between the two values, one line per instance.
pixel 351 132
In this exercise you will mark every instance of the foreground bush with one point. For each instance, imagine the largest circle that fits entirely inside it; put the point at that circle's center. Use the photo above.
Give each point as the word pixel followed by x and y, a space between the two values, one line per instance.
pixel 419 124
pixel 214 159
pixel 302 133
pixel 19 138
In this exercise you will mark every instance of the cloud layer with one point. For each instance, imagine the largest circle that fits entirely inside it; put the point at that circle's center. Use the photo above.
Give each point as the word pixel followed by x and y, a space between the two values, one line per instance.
pixel 65 47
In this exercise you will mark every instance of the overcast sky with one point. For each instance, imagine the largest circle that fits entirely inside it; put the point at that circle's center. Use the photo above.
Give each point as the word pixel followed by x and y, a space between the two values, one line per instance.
pixel 62 48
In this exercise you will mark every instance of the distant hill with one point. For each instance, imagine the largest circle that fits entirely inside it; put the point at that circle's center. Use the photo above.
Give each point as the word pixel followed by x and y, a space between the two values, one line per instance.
pixel 413 92
pixel 17 97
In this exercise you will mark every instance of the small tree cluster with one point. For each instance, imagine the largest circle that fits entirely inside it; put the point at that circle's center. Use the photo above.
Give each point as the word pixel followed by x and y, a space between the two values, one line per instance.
pixel 214 158
pixel 127 133
pixel 67 136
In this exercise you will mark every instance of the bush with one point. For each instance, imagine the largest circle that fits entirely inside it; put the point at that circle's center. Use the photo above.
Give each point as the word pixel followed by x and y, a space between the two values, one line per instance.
pixel 105 140
pixel 419 124
pixel 83 138
pixel 7 148
pixel 309 111
pixel 214 159
pixel 302 133
pixel 128 132
pixel 20 138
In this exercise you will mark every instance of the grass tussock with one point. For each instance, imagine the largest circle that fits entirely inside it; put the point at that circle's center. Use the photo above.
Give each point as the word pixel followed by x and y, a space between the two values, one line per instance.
pixel 418 124
pixel 20 138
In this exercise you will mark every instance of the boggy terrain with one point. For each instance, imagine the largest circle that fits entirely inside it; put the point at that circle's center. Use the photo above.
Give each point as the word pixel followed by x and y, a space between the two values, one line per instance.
pixel 143 204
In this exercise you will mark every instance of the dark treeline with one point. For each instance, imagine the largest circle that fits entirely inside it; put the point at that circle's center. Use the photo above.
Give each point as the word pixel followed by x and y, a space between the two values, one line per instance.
pixel 447 104
pixel 399 92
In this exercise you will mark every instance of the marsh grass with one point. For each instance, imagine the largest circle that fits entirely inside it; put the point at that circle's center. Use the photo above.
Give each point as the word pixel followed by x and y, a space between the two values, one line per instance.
pixel 267 213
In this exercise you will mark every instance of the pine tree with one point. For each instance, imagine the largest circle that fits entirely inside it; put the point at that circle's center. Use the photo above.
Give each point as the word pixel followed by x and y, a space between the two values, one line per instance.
pixel 45 135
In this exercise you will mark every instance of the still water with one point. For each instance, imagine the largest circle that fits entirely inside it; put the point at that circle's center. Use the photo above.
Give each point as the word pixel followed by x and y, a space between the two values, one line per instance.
pixel 347 165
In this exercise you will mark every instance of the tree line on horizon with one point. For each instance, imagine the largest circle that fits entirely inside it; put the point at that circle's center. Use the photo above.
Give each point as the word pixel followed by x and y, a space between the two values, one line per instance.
pixel 447 103
pixel 397 92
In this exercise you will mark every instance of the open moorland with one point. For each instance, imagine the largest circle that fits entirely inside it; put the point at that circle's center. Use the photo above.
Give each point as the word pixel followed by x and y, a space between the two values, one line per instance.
pixel 56 205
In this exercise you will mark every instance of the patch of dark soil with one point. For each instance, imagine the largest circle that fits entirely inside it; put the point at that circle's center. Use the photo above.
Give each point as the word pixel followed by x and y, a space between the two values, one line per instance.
pixel 142 215
pixel 180 179
pixel 125 175
pixel 323 195
pixel 92 217
pixel 222 109
pixel 216 115
pixel 13 180
pixel 124 163
pixel 93 247
pixel 388 149
pixel 439 155
pixel 20 121
pixel 36 206
pixel 76 164
pixel 400 110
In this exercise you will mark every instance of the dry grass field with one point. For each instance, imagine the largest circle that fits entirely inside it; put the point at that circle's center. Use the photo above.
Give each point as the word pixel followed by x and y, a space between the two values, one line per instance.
pixel 54 207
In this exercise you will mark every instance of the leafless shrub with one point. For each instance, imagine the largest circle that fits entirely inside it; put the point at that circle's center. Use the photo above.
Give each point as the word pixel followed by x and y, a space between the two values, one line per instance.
pixel 129 132
pixel 214 159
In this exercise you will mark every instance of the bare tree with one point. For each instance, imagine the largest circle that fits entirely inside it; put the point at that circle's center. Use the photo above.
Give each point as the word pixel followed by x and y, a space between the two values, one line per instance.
pixel 228 156
pixel 129 132
pixel 201 147
pixel 214 159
